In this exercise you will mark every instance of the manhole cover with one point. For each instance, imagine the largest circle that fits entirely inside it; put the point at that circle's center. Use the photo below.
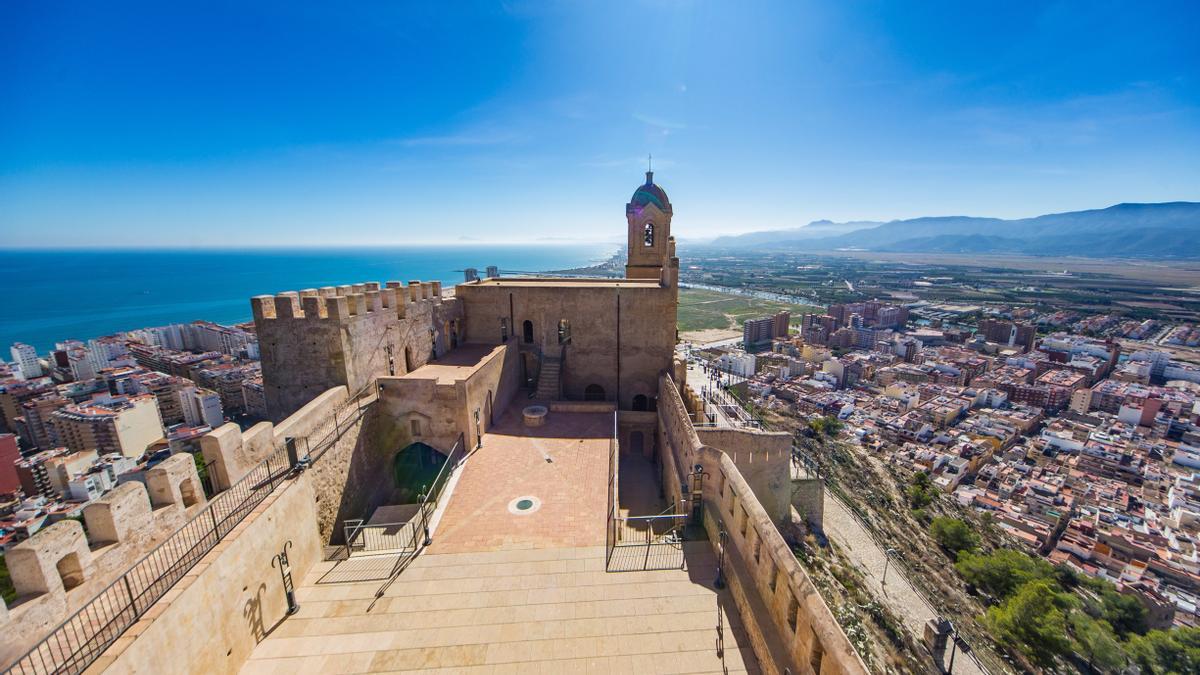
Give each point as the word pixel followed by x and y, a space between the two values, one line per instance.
pixel 524 505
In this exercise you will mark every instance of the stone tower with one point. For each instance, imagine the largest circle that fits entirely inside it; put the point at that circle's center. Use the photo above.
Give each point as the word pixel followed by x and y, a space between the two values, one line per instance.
pixel 651 246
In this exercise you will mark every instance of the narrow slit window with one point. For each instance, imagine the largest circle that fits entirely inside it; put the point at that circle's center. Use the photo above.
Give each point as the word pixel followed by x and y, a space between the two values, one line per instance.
pixel 649 234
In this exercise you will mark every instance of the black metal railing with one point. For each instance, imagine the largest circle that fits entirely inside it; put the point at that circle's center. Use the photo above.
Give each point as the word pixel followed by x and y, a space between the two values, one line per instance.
pixel 409 537
pixel 663 528
pixel 610 513
pixel 79 640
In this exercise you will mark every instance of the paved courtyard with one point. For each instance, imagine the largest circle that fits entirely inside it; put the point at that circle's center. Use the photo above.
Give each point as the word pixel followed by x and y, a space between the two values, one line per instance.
pixel 505 592
pixel 562 467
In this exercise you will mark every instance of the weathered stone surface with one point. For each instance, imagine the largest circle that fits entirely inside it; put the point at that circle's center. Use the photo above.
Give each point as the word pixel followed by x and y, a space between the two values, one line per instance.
pixel 123 511
pixel 212 619
pixel 175 481
pixel 53 560
pixel 350 338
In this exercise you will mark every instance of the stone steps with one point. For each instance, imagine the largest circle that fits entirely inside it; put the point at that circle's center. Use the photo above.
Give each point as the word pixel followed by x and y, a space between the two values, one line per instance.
pixel 545 610
pixel 549 380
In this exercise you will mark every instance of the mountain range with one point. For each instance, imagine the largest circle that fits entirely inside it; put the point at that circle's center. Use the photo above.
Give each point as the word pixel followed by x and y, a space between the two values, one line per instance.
pixel 1164 230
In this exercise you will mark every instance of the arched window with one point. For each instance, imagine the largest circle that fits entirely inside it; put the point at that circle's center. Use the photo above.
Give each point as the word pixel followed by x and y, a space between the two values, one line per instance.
pixel 594 392
pixel 527 331
pixel 639 402
pixel 649 234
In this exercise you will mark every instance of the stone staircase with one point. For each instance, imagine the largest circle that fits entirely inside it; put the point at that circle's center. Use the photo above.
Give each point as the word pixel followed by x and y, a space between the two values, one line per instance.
pixel 511 611
pixel 549 385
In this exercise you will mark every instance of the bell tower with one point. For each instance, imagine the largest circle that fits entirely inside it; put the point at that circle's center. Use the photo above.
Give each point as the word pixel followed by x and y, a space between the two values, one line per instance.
pixel 651 247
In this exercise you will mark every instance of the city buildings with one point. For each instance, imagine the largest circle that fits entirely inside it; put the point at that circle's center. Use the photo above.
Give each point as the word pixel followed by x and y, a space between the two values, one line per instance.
pixel 124 425
pixel 25 356
pixel 757 333
pixel 10 454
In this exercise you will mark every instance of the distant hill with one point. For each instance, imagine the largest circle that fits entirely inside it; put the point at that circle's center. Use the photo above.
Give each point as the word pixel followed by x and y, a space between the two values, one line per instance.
pixel 1167 230
pixel 814 230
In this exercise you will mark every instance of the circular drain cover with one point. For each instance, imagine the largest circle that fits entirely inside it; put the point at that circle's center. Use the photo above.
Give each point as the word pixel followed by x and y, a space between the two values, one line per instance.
pixel 524 505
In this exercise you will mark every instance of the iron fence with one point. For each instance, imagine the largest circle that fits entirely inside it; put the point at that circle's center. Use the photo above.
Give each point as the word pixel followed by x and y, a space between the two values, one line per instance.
pixel 610 513
pixel 79 640
pixel 665 528
pixel 410 536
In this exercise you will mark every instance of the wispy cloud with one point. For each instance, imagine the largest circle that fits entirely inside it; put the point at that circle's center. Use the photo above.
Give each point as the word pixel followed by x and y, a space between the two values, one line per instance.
pixel 465 139
pixel 628 162
pixel 659 122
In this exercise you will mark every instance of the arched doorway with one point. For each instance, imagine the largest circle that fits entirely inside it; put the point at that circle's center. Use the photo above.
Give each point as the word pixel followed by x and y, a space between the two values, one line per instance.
pixel 527 332
pixel 637 443
pixel 413 471
pixel 639 402
pixel 593 392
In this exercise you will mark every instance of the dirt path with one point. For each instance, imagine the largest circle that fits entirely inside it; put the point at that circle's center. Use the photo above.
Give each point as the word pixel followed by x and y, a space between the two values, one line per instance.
pixel 863 552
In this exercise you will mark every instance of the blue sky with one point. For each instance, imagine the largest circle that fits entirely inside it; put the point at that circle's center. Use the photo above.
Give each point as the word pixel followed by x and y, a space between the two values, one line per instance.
pixel 248 124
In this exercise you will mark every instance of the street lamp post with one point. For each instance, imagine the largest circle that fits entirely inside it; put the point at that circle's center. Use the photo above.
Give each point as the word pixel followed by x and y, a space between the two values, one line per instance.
pixel 887 560
pixel 285 573
pixel 953 645
pixel 719 582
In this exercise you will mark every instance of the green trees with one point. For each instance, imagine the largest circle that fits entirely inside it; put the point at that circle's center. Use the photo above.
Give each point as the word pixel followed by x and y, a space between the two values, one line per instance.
pixel 1174 652
pixel 919 491
pixel 1123 612
pixel 1033 621
pixel 825 426
pixel 1095 642
pixel 953 535
pixel 1001 573
pixel 1037 613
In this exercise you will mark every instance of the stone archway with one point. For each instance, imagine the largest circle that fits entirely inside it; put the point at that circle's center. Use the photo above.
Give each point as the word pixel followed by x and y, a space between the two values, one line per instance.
pixel 414 468
pixel 527 332
pixel 640 403
pixel 593 392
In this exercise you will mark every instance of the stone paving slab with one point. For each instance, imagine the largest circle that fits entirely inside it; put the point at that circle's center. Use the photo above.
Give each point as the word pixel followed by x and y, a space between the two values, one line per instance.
pixel 661 621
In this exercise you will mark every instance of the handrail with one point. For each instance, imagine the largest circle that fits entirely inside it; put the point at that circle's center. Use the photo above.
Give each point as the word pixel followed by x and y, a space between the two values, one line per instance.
pixel 81 638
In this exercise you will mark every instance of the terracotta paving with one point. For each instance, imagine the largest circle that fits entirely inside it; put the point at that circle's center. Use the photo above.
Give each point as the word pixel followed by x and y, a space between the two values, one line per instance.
pixel 499 592
pixel 563 465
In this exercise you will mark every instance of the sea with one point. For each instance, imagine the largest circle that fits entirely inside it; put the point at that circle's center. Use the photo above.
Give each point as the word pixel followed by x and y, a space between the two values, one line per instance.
pixel 50 296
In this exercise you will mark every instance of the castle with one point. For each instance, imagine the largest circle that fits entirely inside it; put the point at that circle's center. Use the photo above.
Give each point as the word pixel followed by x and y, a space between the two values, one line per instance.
pixel 512 472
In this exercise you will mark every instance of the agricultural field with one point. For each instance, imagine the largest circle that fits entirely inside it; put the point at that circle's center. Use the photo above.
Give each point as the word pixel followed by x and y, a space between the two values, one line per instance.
pixel 711 311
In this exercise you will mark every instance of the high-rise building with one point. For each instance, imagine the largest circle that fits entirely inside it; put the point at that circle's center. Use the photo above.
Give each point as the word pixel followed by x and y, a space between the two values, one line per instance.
pixel 760 331
pixel 10 454
pixel 783 322
pixel 110 424
pixel 201 407
pixel 108 351
pixel 1009 333
pixel 37 412
pixel 26 359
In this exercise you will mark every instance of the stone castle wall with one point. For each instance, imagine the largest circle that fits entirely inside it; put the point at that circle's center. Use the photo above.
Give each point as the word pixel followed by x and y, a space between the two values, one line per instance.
pixel 622 334
pixel 788 623
pixel 212 619
pixel 63 566
pixel 314 339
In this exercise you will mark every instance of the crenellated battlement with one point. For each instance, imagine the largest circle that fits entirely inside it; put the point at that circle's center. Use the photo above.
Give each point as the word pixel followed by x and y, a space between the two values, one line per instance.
pixel 66 562
pixel 344 303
